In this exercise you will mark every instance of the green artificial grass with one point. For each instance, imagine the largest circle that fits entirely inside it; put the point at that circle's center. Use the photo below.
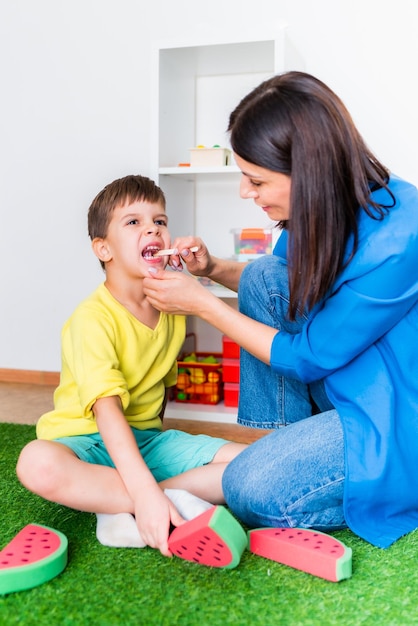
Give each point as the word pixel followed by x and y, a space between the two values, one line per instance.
pixel 106 586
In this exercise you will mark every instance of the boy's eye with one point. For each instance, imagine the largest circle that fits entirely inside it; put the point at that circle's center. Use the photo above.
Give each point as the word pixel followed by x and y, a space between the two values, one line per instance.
pixel 133 221
pixel 161 222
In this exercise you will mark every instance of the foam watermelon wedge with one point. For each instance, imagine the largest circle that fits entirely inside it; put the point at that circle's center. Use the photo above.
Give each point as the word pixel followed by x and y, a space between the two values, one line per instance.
pixel 214 538
pixel 308 550
pixel 34 556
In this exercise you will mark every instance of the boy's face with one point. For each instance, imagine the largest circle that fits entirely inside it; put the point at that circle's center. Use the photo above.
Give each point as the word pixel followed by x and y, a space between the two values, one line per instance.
pixel 136 231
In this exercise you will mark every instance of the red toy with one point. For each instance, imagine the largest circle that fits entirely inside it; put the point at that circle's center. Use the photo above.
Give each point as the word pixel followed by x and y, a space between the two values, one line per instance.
pixel 214 538
pixel 307 550
pixel 34 556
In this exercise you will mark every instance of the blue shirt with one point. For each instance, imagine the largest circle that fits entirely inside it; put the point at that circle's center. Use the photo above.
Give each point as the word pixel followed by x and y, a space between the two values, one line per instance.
pixel 363 341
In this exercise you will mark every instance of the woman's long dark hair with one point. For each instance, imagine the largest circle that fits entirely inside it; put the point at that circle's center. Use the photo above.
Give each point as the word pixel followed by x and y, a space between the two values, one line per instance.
pixel 294 124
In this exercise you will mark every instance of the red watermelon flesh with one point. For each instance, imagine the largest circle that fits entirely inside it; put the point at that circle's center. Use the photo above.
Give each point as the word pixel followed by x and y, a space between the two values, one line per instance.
pixel 35 555
pixel 308 550
pixel 214 538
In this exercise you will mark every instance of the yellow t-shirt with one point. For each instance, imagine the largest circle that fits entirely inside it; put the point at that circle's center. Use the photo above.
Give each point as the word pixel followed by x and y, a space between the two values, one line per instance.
pixel 106 351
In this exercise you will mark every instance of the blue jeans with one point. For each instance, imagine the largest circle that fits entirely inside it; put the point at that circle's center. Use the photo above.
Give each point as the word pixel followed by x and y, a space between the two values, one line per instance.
pixel 295 475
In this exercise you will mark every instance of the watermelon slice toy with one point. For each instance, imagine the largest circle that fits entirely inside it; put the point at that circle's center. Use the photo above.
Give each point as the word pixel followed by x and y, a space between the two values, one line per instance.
pixel 307 550
pixel 214 538
pixel 34 556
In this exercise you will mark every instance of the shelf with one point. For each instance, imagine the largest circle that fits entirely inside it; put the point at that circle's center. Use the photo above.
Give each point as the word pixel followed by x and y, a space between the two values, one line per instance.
pixel 201 412
pixel 222 292
pixel 197 85
pixel 187 170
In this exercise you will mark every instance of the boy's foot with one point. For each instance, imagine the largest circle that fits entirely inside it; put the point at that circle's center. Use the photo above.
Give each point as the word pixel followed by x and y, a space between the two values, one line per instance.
pixel 120 530
pixel 188 505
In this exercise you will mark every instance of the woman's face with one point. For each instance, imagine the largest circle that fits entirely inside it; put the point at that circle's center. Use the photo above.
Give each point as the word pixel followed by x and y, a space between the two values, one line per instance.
pixel 269 190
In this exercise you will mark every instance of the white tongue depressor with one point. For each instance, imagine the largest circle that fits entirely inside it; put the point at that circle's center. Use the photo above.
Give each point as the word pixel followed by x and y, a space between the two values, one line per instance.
pixel 173 251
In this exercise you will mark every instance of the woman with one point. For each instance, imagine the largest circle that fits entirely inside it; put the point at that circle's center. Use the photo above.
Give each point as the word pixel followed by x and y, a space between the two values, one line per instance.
pixel 328 323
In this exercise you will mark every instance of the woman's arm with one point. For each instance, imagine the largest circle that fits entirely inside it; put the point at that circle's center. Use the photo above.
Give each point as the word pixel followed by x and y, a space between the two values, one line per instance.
pixel 226 272
pixel 174 292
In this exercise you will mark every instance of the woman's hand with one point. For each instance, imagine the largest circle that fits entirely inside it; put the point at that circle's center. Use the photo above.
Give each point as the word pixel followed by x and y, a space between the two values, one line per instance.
pixel 198 263
pixel 173 292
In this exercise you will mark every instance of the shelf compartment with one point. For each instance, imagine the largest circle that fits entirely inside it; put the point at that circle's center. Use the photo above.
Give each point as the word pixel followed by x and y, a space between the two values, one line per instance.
pixel 202 412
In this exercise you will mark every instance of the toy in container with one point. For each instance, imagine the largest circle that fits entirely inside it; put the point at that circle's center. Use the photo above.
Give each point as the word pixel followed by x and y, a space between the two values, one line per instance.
pixel 199 378
pixel 251 243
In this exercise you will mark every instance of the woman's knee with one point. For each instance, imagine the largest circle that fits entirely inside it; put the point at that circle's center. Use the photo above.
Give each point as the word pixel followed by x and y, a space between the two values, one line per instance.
pixel 246 487
pixel 263 292
pixel 290 475
pixel 264 277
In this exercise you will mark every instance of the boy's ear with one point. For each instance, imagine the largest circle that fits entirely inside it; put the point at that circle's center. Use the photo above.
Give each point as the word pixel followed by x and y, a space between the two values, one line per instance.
pixel 101 249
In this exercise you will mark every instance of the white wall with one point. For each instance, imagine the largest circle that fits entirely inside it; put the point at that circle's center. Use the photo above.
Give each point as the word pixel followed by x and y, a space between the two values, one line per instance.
pixel 75 114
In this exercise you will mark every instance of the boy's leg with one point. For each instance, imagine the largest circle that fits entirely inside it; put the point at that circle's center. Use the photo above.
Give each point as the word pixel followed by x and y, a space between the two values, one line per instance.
pixel 194 463
pixel 204 482
pixel 53 471
pixel 229 451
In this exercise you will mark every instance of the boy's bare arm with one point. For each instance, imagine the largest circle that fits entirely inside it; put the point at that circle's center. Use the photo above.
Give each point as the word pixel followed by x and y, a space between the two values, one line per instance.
pixel 152 509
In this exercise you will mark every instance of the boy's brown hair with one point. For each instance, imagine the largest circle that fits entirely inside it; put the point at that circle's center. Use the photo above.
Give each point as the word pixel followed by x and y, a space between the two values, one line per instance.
pixel 132 188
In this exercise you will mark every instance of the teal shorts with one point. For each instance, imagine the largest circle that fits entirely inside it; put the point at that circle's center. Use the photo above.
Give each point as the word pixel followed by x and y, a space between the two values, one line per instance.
pixel 166 453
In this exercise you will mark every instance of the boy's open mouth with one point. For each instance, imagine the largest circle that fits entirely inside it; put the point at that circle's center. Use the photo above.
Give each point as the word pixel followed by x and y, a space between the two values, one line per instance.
pixel 149 251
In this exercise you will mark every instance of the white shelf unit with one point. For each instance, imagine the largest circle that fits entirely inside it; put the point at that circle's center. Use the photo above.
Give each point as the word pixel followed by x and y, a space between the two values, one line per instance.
pixel 196 88
pixel 201 412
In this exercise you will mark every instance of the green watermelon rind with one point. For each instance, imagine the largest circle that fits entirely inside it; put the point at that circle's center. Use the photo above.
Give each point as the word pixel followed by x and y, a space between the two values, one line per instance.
pixel 19 578
pixel 232 532
pixel 344 563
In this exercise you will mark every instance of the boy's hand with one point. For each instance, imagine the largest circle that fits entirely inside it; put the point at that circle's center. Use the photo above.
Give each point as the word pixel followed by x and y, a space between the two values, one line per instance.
pixel 152 509
pixel 154 513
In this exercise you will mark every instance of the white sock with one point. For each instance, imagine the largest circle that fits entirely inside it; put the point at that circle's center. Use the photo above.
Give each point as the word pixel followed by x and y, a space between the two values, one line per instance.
pixel 188 505
pixel 120 530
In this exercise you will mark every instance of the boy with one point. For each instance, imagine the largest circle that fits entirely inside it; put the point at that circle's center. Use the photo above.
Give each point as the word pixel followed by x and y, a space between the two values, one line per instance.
pixel 102 448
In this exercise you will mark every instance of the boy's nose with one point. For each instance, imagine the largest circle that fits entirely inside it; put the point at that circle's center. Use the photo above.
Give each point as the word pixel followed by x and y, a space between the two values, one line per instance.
pixel 152 228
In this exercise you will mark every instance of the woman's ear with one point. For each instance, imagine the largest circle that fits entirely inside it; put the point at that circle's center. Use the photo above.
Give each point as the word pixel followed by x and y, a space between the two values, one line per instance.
pixel 101 249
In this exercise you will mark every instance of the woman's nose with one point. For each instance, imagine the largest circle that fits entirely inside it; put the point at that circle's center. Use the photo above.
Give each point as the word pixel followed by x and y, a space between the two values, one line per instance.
pixel 246 190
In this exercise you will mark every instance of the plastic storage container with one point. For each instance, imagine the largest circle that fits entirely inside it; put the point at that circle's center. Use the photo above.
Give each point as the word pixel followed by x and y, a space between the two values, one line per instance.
pixel 199 379
pixel 230 349
pixel 251 243
pixel 231 394
pixel 230 370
